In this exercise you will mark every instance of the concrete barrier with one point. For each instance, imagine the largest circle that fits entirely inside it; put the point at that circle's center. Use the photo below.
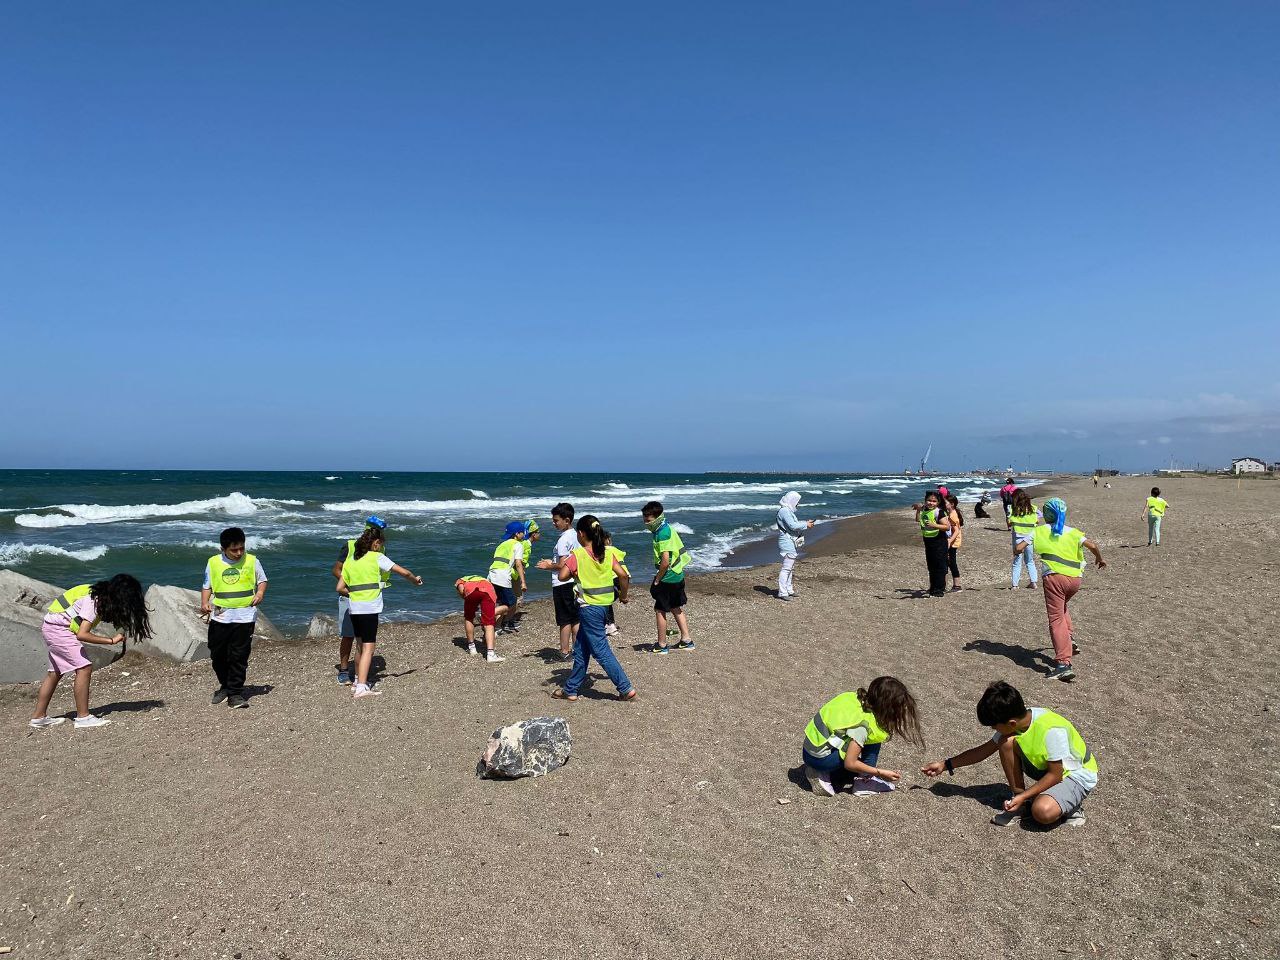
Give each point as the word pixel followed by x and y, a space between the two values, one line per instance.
pixel 23 658
pixel 177 630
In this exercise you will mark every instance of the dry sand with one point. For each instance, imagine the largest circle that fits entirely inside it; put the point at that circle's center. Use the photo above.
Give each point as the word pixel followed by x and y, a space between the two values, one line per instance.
pixel 313 827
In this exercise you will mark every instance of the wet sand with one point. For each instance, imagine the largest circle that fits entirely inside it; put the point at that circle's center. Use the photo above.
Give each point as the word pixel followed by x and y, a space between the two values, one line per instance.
pixel 313 827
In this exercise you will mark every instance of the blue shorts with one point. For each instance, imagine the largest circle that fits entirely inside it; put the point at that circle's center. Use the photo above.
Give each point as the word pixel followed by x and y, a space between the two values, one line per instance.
pixel 506 595
pixel 345 629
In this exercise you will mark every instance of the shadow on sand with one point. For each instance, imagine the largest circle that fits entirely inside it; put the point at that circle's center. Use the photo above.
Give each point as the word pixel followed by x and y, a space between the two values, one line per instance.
pixel 1031 659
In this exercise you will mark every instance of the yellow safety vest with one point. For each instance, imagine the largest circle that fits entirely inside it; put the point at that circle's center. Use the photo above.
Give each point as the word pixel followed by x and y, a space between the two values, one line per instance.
pixel 832 726
pixel 1034 749
pixel 1024 524
pixel 504 556
pixel 362 576
pixel 673 545
pixel 233 584
pixel 1156 506
pixel 63 603
pixel 927 517
pixel 1064 554
pixel 386 574
pixel 595 577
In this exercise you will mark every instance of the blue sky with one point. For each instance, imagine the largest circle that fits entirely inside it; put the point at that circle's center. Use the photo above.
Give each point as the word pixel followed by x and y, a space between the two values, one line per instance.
pixel 669 236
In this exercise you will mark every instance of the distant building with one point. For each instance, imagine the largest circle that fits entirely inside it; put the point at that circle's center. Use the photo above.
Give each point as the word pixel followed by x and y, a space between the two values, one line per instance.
pixel 1248 465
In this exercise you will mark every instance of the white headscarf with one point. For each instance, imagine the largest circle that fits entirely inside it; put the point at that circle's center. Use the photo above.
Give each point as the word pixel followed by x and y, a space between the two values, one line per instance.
pixel 790 501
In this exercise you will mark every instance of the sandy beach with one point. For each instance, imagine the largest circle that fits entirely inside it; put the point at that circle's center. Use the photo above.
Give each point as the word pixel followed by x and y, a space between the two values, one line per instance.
pixel 313 827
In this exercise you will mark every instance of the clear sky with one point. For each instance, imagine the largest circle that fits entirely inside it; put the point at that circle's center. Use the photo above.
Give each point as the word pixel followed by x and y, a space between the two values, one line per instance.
pixel 647 236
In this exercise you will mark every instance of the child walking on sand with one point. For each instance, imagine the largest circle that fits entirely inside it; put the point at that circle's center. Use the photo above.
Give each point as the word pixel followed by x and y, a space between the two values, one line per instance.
pixel 1036 743
pixel 477 593
pixel 68 622
pixel 234 585
pixel 361 581
pixel 1022 527
pixel 670 558
pixel 1154 512
pixel 846 735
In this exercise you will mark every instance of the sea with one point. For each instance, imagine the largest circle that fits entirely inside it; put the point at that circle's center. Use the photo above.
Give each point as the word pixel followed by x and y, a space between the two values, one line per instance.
pixel 68 527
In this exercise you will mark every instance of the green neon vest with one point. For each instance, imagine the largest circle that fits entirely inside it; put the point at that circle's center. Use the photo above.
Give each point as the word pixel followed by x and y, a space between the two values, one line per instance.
pixel 832 725
pixel 927 517
pixel 504 555
pixel 1063 554
pixel 595 577
pixel 1156 505
pixel 386 574
pixel 63 603
pixel 1023 523
pixel 672 544
pixel 362 576
pixel 233 584
pixel 1034 749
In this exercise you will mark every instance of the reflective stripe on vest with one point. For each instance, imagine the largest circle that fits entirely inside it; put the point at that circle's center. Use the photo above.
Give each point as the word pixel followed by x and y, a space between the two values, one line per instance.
pixel 386 574
pixel 595 577
pixel 846 713
pixel 504 555
pixel 927 517
pixel 64 602
pixel 363 577
pixel 1023 522
pixel 227 581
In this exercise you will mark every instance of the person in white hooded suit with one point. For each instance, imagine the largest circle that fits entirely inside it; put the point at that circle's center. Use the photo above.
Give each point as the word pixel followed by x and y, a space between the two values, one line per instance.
pixel 790 539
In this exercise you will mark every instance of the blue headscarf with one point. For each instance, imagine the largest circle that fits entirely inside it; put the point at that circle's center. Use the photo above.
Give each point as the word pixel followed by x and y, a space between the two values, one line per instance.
pixel 1058 508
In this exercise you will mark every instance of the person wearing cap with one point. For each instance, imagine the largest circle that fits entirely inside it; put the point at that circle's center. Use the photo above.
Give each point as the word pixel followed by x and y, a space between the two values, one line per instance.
pixel 532 534
pixel 346 632
pixel 508 561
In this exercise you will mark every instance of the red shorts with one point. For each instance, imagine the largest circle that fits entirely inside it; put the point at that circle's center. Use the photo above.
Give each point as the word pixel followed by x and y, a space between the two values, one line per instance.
pixel 481 600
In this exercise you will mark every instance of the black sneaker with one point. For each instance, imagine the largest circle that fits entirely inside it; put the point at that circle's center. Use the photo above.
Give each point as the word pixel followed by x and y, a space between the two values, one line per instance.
pixel 219 695
pixel 1062 672
pixel 237 701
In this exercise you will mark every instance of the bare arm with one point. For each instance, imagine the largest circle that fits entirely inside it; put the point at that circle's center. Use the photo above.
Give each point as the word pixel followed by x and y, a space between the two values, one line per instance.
pixel 262 592
pixel 407 574
pixel 519 567
pixel 337 570
pixel 205 595
pixel 854 764
pixel 965 759
pixel 1052 778
pixel 1097 554
pixel 86 635
pixel 342 587
pixel 624 580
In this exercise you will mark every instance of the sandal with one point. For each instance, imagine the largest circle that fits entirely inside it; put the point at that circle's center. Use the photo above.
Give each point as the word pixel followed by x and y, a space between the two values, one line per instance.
pixel 559 694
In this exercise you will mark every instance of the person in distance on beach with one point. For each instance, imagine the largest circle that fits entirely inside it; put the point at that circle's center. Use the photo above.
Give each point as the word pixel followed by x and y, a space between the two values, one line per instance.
pixel 790 539
pixel 846 735
pixel 980 508
pixel 68 622
pixel 1154 512
pixel 477 593
pixel 346 632
pixel 955 537
pixel 508 559
pixel 361 581
pixel 670 558
pixel 933 525
pixel 234 585
pixel 1022 527
pixel 1036 743
pixel 596 567
pixel 610 626
pixel 1006 495
pixel 1061 550
pixel 562 595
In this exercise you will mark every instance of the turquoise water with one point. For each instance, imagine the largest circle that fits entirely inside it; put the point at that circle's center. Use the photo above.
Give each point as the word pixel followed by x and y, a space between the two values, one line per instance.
pixel 70 526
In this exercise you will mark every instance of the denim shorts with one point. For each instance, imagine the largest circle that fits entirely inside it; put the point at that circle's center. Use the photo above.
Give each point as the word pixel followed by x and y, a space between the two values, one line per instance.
pixel 345 629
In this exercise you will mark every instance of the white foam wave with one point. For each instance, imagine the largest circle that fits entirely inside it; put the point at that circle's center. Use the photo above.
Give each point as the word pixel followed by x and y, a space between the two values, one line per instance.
pixel 710 554
pixel 681 528
pixel 12 553
pixel 251 543
pixel 333 478
pixel 479 494
pixel 83 514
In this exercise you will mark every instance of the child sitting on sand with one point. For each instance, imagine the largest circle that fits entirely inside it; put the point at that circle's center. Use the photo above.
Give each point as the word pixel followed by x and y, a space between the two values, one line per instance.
pixel 478 594
pixel 1034 743
pixel 847 733
pixel 69 622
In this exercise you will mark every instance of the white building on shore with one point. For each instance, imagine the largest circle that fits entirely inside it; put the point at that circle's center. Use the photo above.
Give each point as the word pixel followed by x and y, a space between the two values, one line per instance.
pixel 1248 465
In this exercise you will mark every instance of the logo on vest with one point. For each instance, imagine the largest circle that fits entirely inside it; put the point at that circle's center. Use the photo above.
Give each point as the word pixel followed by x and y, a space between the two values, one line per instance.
pixel 230 575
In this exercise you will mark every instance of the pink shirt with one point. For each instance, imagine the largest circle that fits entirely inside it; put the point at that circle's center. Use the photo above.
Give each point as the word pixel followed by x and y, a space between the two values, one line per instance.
pixel 84 608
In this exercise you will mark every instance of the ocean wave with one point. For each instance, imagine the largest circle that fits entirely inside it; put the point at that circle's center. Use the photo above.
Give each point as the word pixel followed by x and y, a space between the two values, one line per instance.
pixel 12 553
pixel 83 514
pixel 251 543
pixel 710 554
pixel 682 528
pixel 479 494
pixel 333 478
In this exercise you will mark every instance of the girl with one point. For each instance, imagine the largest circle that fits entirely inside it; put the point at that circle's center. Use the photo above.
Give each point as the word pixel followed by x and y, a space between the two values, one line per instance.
pixel 1154 512
pixel 1023 518
pixel 69 623
pixel 956 535
pixel 361 581
pixel 847 733
pixel 933 524
pixel 790 540
pixel 596 566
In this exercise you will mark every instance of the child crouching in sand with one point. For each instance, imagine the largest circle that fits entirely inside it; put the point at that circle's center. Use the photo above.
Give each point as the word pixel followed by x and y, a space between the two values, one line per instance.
pixel 69 622
pixel 847 733
pixel 1035 743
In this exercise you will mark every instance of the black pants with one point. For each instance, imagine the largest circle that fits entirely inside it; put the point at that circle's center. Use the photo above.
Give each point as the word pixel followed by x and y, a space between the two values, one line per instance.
pixel 935 558
pixel 951 562
pixel 229 646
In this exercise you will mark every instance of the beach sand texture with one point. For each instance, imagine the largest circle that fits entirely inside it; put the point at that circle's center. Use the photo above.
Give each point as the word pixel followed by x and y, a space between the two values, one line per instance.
pixel 313 827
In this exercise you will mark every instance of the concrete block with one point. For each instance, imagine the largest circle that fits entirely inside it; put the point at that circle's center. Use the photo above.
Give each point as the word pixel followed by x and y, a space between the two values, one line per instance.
pixel 178 632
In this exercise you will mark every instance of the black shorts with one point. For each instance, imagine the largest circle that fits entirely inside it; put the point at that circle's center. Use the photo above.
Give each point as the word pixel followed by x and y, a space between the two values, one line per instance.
pixel 366 627
pixel 566 604
pixel 506 597
pixel 668 596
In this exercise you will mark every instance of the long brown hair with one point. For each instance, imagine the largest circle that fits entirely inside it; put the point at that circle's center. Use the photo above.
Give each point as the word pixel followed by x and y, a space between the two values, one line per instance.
pixel 891 703
pixel 367 539
pixel 1022 503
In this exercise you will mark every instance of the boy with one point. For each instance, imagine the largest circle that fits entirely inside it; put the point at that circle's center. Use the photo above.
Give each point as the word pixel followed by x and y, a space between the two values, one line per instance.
pixel 478 593
pixel 562 595
pixel 1037 743
pixel 235 583
pixel 670 557
pixel 508 557
pixel 1154 513
pixel 346 632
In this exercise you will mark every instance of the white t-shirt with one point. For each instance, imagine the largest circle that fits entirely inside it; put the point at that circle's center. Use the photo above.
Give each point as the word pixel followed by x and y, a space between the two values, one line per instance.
pixel 236 614
pixel 564 546
pixel 1057 744
pixel 501 576
pixel 373 606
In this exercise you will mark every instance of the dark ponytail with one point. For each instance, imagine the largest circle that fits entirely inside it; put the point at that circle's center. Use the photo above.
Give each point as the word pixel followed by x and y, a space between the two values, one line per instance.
pixel 121 603
pixel 592 529
pixel 367 539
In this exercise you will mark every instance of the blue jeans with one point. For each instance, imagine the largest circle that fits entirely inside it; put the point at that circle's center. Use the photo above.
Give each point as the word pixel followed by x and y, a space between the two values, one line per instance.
pixel 592 642
pixel 1025 559
pixel 832 761
pixel 1153 530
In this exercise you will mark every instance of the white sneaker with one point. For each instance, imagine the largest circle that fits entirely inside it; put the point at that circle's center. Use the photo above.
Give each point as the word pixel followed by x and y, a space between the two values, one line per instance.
pixel 870 786
pixel 610 629
pixel 364 690
pixel 471 649
pixel 820 782
pixel 43 722
pixel 84 723
pixel 1007 818
pixel 1076 819
pixel 492 657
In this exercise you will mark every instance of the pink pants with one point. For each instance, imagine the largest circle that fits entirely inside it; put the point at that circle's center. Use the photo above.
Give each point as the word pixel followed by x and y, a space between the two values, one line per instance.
pixel 1057 590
